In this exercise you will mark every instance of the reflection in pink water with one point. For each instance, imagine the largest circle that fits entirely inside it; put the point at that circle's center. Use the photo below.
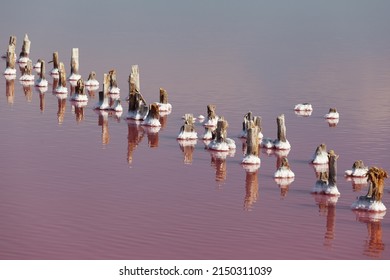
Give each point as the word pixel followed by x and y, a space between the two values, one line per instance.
pixel 77 183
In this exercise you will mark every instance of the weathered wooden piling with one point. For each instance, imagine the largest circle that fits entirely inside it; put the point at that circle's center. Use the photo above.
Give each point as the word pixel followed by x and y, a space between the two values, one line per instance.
pixel 187 130
pixel 138 108
pixel 376 178
pixel 11 57
pixel 74 65
pixel 55 71
pixel 212 117
pixel 252 141
pixel 24 54
pixel 249 121
pixel 62 75
pixel 134 82
pixel 332 168
pixel 281 128
pixel 163 96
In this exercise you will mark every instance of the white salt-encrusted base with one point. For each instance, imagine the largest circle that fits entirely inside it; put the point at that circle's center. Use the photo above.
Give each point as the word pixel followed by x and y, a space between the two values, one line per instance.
pixel 367 204
pixel 74 77
pixel 280 145
pixel 61 89
pixel 323 188
pixel 114 90
pixel 151 122
pixel 184 135
pixel 211 122
pixel 283 172
pixel 208 135
pixel 332 115
pixel 244 134
pixel 41 83
pixel 102 105
pixel 55 73
pixel 23 60
pixel 117 106
pixel 215 146
pixel 80 97
pixel 251 160
pixel 136 115
pixel 357 172
pixel 164 107
pixel 321 158
pixel 303 107
pixel 10 71
pixel 92 83
pixel 27 77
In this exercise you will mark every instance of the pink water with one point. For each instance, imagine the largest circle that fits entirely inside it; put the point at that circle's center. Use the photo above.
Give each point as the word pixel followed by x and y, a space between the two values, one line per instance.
pixel 76 185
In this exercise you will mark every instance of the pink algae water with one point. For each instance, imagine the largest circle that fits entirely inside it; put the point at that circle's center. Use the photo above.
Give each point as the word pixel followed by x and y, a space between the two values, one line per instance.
pixel 79 184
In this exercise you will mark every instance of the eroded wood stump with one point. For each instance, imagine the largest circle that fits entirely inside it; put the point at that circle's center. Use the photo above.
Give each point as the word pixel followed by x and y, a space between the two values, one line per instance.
pixel 221 131
pixel 74 61
pixel 62 75
pixel 376 179
pixel 163 96
pixel 252 140
pixel 25 47
pixel 281 128
pixel 332 167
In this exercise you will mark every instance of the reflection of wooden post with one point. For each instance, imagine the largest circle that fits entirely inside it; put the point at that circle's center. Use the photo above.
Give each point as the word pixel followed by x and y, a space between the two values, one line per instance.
pixel 10 90
pixel 61 110
pixel 135 135
pixel 220 166
pixel 221 131
pixel 330 222
pixel 163 96
pixel 42 102
pixel 25 47
pixel 375 244
pixel 332 167
pixel 281 128
pixel 79 111
pixel 74 61
pixel 251 189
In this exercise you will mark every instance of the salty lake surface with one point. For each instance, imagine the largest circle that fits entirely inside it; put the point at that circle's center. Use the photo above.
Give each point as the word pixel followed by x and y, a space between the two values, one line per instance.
pixel 79 185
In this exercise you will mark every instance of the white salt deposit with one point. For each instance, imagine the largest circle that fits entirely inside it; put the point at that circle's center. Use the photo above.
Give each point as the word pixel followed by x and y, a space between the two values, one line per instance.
pixel 151 122
pixel 92 83
pixel 164 107
pixel 284 172
pixel 367 204
pixel 10 72
pixel 114 90
pixel 303 107
pixel 79 97
pixel 190 135
pixel 26 77
pixel 321 158
pixel 117 106
pixel 74 77
pixel 356 172
pixel 23 60
pixel 102 105
pixel 332 115
pixel 41 83
pixel 251 159
pixel 211 122
pixel 322 187
pixel 61 89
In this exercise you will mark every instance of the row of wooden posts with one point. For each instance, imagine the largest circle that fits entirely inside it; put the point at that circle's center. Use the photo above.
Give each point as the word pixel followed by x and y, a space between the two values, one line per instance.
pixel 138 105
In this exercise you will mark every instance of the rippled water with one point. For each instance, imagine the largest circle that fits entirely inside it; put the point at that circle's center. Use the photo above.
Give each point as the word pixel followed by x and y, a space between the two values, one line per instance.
pixel 76 184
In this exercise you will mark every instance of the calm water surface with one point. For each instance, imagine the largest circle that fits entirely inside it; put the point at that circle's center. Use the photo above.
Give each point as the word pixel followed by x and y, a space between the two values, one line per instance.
pixel 76 184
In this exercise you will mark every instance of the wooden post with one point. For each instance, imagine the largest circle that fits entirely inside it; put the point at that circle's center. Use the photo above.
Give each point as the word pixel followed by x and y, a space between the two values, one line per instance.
pixel 154 112
pixel 376 179
pixel 92 76
pixel 27 70
pixel 62 75
pixel 252 140
pixel 80 87
pixel 74 61
pixel 188 125
pixel 106 84
pixel 163 96
pixel 332 167
pixel 11 57
pixel 25 47
pixel 257 121
pixel 55 60
pixel 211 111
pixel 221 131
pixel 43 69
pixel 134 84
pixel 281 128
pixel 112 78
